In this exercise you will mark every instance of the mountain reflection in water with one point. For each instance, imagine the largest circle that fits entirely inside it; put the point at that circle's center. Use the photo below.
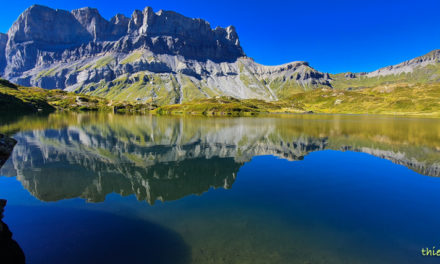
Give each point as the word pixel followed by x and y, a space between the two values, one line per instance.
pixel 166 158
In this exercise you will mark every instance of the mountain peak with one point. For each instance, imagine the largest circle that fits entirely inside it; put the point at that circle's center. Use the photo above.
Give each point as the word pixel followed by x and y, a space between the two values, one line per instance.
pixel 37 7
pixel 93 22
pixel 41 29
pixel 43 24
pixel 173 58
pixel 86 9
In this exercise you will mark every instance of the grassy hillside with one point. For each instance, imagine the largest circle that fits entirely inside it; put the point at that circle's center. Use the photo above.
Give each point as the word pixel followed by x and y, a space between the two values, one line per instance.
pixel 421 99
pixel 18 99
pixel 226 106
pixel 396 99
pixel 420 75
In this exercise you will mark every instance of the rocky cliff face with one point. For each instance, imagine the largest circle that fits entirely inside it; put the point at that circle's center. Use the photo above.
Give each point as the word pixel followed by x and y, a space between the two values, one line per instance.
pixel 160 56
pixel 423 69
pixel 166 58
pixel 41 35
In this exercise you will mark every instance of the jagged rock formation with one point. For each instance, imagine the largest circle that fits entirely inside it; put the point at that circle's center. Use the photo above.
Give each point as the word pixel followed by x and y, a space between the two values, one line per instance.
pixel 164 57
pixel 161 56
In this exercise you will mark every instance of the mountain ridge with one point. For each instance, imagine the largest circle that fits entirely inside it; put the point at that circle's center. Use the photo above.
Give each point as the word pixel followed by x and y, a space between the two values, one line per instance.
pixel 163 57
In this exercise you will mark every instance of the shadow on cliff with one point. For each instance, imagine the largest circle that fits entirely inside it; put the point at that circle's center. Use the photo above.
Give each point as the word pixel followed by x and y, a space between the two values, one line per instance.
pixel 50 234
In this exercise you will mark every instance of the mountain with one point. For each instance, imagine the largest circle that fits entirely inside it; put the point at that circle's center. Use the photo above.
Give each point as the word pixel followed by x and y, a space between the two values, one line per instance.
pixel 161 56
pixel 423 69
pixel 165 58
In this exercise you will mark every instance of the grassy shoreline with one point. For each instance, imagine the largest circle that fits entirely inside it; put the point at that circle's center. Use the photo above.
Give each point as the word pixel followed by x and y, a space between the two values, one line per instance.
pixel 419 100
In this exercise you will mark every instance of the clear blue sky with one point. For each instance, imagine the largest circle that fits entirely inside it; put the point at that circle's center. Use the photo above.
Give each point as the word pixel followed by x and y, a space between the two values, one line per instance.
pixel 334 36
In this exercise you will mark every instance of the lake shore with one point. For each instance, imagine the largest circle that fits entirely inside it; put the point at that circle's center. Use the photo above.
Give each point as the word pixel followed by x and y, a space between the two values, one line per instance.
pixel 419 100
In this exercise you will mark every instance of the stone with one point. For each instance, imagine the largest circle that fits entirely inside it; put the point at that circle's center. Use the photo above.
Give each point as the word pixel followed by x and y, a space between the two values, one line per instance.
pixel 6 146
pixel 10 251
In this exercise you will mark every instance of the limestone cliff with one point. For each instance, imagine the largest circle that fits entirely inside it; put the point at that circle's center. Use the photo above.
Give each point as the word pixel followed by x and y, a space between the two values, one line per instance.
pixel 163 56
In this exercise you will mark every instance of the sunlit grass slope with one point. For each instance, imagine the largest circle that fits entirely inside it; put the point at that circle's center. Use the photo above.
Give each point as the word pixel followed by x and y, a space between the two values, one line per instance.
pixel 17 99
pixel 395 99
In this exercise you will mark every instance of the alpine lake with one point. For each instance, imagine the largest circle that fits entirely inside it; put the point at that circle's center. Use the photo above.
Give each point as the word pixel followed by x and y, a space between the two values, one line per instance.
pixel 105 188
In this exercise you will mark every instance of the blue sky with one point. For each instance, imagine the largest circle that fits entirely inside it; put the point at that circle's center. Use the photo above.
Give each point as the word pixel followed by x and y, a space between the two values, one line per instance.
pixel 334 36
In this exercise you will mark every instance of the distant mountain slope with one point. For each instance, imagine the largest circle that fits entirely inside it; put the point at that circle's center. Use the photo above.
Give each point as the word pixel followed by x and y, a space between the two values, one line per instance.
pixel 164 58
pixel 423 69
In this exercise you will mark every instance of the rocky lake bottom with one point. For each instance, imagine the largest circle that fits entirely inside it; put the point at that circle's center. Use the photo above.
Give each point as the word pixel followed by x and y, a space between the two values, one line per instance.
pixel 104 188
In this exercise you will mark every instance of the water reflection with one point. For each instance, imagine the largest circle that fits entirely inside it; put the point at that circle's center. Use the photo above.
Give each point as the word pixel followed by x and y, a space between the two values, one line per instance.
pixel 166 158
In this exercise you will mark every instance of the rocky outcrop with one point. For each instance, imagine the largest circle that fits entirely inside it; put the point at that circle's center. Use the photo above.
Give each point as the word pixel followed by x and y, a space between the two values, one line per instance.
pixel 6 147
pixel 10 251
pixel 409 66
pixel 184 58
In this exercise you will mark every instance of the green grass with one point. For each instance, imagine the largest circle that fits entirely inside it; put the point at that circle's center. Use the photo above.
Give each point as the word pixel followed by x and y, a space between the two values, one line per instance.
pixel 286 88
pixel 49 72
pixel 132 57
pixel 19 99
pixel 149 88
pixel 394 99
pixel 85 67
pixel 421 99
pixel 103 62
pixel 221 106
pixel 98 64
pixel 190 90
pixel 421 75
pixel 401 99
